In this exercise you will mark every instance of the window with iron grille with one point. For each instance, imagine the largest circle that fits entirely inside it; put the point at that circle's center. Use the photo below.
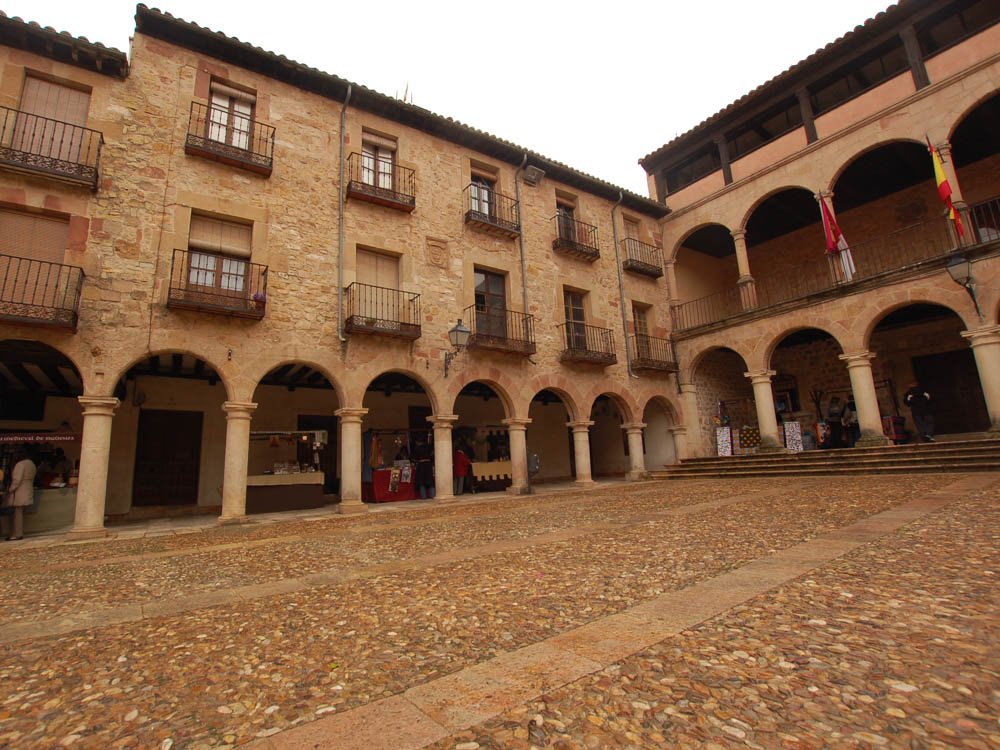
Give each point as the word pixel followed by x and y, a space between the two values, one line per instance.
pixel 231 115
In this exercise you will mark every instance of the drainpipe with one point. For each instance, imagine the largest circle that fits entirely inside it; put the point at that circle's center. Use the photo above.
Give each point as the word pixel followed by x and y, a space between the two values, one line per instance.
pixel 621 285
pixel 520 236
pixel 340 222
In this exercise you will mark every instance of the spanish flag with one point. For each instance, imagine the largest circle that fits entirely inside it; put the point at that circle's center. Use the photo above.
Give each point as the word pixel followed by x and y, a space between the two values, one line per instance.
pixel 944 189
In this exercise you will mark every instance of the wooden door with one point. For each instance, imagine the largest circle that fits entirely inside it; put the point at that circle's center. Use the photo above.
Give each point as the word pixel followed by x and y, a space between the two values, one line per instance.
pixel 167 458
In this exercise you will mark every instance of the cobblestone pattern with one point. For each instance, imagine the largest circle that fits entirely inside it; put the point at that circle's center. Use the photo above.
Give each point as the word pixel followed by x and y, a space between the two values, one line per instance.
pixel 218 676
pixel 893 646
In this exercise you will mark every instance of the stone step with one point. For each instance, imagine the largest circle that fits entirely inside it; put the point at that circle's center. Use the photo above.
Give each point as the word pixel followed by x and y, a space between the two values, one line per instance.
pixel 924 449
pixel 926 468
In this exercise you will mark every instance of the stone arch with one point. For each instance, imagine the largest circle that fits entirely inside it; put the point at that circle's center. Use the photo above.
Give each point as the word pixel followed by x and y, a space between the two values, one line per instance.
pixel 880 313
pixel 767 196
pixel 964 114
pixel 258 377
pixel 707 227
pixel 494 382
pixel 773 343
pixel 696 359
pixel 561 388
pixel 625 404
pixel 665 403
pixel 661 417
pixel 866 149
pixel 58 350
pixel 224 378
pixel 432 396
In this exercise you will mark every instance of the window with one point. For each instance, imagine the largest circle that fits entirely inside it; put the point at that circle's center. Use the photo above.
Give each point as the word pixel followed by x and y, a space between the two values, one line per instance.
pixel 640 319
pixel 631 228
pixel 576 331
pixel 566 221
pixel 859 75
pixel 481 195
pixel 32 249
pixel 230 118
pixel 379 299
pixel 378 159
pixel 60 135
pixel 377 269
pixel 764 128
pixel 219 251
pixel 692 169
pixel 491 304
pixel 953 24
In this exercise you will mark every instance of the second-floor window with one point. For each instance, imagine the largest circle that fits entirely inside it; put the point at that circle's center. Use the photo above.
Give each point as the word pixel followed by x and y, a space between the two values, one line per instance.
pixel 481 195
pixel 219 253
pixel 51 119
pixel 576 331
pixel 566 221
pixel 378 159
pixel 231 114
pixel 491 303
pixel 631 229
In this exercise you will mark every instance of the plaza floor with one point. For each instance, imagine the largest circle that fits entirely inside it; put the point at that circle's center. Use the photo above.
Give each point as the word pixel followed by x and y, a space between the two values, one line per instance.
pixel 855 611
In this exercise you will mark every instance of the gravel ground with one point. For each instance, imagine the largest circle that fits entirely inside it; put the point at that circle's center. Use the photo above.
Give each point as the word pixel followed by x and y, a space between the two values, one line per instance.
pixel 219 676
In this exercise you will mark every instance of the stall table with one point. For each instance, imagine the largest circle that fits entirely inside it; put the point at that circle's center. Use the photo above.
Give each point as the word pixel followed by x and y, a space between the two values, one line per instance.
pixel 378 489
pixel 267 493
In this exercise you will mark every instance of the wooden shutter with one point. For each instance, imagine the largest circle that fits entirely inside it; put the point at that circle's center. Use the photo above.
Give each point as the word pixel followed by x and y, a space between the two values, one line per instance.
pixel 57 102
pixel 40 280
pixel 35 237
pixel 220 236
pixel 377 269
pixel 631 229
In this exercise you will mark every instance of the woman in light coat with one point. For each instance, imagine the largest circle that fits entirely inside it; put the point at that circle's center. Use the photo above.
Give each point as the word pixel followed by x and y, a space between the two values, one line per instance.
pixel 21 492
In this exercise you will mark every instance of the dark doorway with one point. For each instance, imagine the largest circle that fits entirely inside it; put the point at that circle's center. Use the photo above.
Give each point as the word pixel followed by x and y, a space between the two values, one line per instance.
pixel 167 458
pixel 417 418
pixel 952 380
pixel 327 456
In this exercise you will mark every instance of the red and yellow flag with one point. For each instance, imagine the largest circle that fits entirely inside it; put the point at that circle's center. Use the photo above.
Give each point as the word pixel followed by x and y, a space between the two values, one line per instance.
pixel 944 189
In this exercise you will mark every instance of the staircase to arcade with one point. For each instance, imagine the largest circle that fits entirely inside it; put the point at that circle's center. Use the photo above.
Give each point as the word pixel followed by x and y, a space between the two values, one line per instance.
pixel 952 456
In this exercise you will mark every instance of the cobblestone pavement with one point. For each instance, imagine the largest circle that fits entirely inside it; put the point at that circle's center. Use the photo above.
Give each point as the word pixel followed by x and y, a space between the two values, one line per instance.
pixel 337 613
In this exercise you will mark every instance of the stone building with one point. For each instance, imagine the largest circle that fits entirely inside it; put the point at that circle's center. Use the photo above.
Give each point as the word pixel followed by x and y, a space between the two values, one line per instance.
pixel 219 263
pixel 771 327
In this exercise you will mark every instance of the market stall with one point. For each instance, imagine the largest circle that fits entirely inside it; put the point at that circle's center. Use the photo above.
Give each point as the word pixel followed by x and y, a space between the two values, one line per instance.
pixel 294 480
pixel 54 500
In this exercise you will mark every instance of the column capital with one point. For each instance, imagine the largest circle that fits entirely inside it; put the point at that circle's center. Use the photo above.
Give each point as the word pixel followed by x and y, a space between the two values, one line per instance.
pixel 857 359
pixel 443 421
pixel 348 415
pixel 982 336
pixel 744 280
pixel 760 376
pixel 677 429
pixel 581 425
pixel 634 426
pixel 688 388
pixel 238 409
pixel 828 194
pixel 944 149
pixel 738 234
pixel 516 423
pixel 98 405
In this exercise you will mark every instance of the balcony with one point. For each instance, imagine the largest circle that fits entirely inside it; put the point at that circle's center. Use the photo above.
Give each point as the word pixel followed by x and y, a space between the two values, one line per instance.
pixel 491 212
pixel 219 284
pixel 898 253
pixel 37 292
pixel 575 239
pixel 380 181
pixel 642 258
pixel 502 331
pixel 40 145
pixel 216 134
pixel 382 312
pixel 588 344
pixel 652 354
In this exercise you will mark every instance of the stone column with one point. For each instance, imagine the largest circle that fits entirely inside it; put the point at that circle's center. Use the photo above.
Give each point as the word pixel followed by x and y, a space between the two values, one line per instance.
pixel 748 290
pixel 680 441
pixel 767 420
pixel 859 368
pixel 95 450
pixel 961 207
pixel 234 476
pixel 517 430
pixel 350 460
pixel 695 436
pixel 671 276
pixel 636 457
pixel 444 480
pixel 985 343
pixel 581 450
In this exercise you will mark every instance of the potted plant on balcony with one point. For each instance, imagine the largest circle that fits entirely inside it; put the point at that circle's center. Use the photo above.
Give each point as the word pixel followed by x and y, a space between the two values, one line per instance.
pixel 258 301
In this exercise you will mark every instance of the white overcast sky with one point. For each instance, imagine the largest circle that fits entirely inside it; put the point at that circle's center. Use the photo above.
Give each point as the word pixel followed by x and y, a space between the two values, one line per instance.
pixel 594 85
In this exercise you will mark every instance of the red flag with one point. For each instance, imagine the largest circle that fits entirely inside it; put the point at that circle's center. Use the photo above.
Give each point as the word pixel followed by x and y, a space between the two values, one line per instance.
pixel 836 244
pixel 944 189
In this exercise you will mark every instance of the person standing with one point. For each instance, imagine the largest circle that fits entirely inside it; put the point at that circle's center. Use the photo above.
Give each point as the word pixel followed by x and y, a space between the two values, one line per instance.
pixel 852 430
pixel 21 492
pixel 919 400
pixel 460 469
pixel 423 456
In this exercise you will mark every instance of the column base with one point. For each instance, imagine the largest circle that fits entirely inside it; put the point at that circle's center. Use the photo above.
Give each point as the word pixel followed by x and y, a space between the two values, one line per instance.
pixel 637 476
pixel 518 490
pixel 772 449
pixel 351 507
pixel 75 535
pixel 583 482
pixel 232 520
pixel 872 441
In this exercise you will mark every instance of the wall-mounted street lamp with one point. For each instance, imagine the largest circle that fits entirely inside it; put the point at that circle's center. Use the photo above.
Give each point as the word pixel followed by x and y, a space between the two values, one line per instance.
pixel 960 269
pixel 459 337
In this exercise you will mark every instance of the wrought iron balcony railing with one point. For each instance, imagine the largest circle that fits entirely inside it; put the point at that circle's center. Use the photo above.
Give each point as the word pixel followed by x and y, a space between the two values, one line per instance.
pixel 642 258
pixel 214 283
pixel 37 144
pixel 650 353
pixel 220 135
pixel 492 212
pixel 40 293
pixel 576 239
pixel 382 311
pixel 985 218
pixel 503 330
pixel 381 181
pixel 588 344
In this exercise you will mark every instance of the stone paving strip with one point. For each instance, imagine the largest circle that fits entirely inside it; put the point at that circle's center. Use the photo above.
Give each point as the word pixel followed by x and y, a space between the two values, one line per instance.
pixel 143 610
pixel 438 711
pixel 893 645
pixel 219 676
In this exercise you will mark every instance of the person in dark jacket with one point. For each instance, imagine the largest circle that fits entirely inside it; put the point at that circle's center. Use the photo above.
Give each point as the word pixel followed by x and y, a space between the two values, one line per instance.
pixel 919 400
pixel 423 457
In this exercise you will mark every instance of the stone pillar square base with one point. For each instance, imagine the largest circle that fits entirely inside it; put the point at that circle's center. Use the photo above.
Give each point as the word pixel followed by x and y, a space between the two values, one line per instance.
pixel 523 490
pixel 346 507
pixel 232 520
pixel 76 535
pixel 872 441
